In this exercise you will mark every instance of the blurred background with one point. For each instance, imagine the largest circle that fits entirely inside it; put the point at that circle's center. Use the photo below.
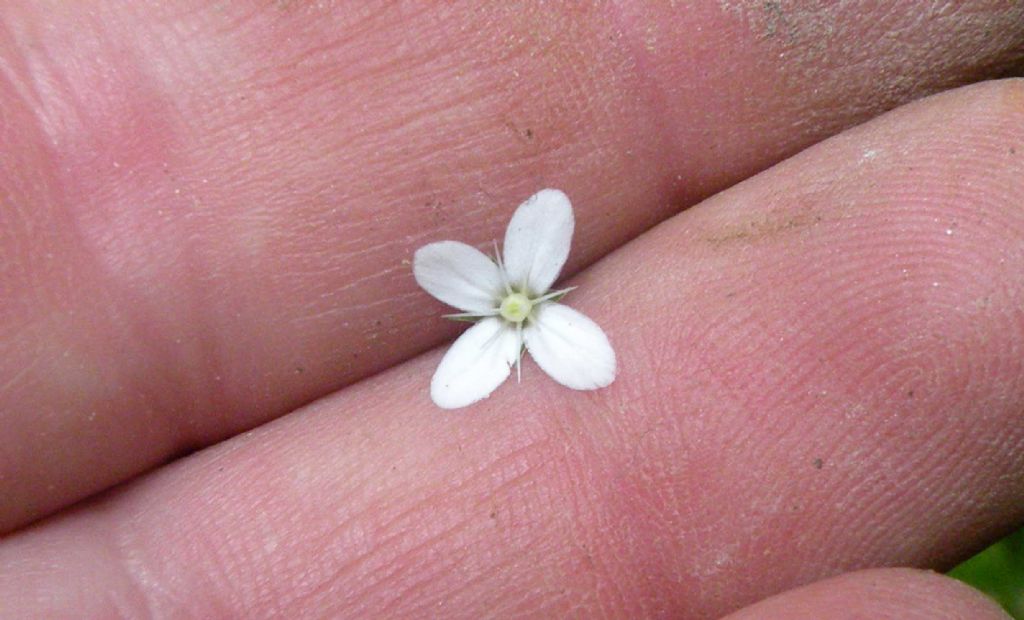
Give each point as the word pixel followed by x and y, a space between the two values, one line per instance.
pixel 999 572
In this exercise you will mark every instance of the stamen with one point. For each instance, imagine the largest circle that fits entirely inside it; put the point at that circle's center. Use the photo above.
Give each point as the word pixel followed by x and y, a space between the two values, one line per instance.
pixel 470 316
pixel 519 352
pixel 553 294
pixel 501 268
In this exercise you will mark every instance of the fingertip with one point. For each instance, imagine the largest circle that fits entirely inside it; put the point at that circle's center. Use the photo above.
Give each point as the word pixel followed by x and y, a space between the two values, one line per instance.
pixel 880 594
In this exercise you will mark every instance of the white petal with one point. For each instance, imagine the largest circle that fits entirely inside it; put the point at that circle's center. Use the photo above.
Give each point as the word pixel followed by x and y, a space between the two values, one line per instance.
pixel 537 241
pixel 570 347
pixel 459 275
pixel 477 363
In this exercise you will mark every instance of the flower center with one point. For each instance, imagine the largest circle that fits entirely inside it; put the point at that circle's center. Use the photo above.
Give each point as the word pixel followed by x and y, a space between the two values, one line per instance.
pixel 516 307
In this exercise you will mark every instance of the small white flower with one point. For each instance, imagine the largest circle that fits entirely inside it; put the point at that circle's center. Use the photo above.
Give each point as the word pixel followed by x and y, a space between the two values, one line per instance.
pixel 513 307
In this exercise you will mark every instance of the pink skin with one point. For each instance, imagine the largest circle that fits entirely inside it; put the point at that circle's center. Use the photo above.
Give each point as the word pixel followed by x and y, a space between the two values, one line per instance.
pixel 207 209
pixel 204 214
pixel 821 372
pixel 881 594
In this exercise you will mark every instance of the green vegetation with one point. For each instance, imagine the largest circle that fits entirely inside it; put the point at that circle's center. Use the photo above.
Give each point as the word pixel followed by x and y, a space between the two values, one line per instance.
pixel 999 571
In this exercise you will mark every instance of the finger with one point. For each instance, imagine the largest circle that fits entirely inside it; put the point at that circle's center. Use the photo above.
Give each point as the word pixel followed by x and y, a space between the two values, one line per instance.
pixel 207 208
pixel 881 594
pixel 815 376
pixel 228 197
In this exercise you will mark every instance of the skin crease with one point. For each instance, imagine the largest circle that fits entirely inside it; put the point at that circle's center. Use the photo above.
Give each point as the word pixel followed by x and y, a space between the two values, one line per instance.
pixel 207 208
pixel 846 392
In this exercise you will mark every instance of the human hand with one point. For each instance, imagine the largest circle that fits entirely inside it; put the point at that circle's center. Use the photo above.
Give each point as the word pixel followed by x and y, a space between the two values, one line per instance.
pixel 205 213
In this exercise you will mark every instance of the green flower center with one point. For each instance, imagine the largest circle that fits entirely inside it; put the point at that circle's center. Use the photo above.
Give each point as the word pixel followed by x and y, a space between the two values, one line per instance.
pixel 516 307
